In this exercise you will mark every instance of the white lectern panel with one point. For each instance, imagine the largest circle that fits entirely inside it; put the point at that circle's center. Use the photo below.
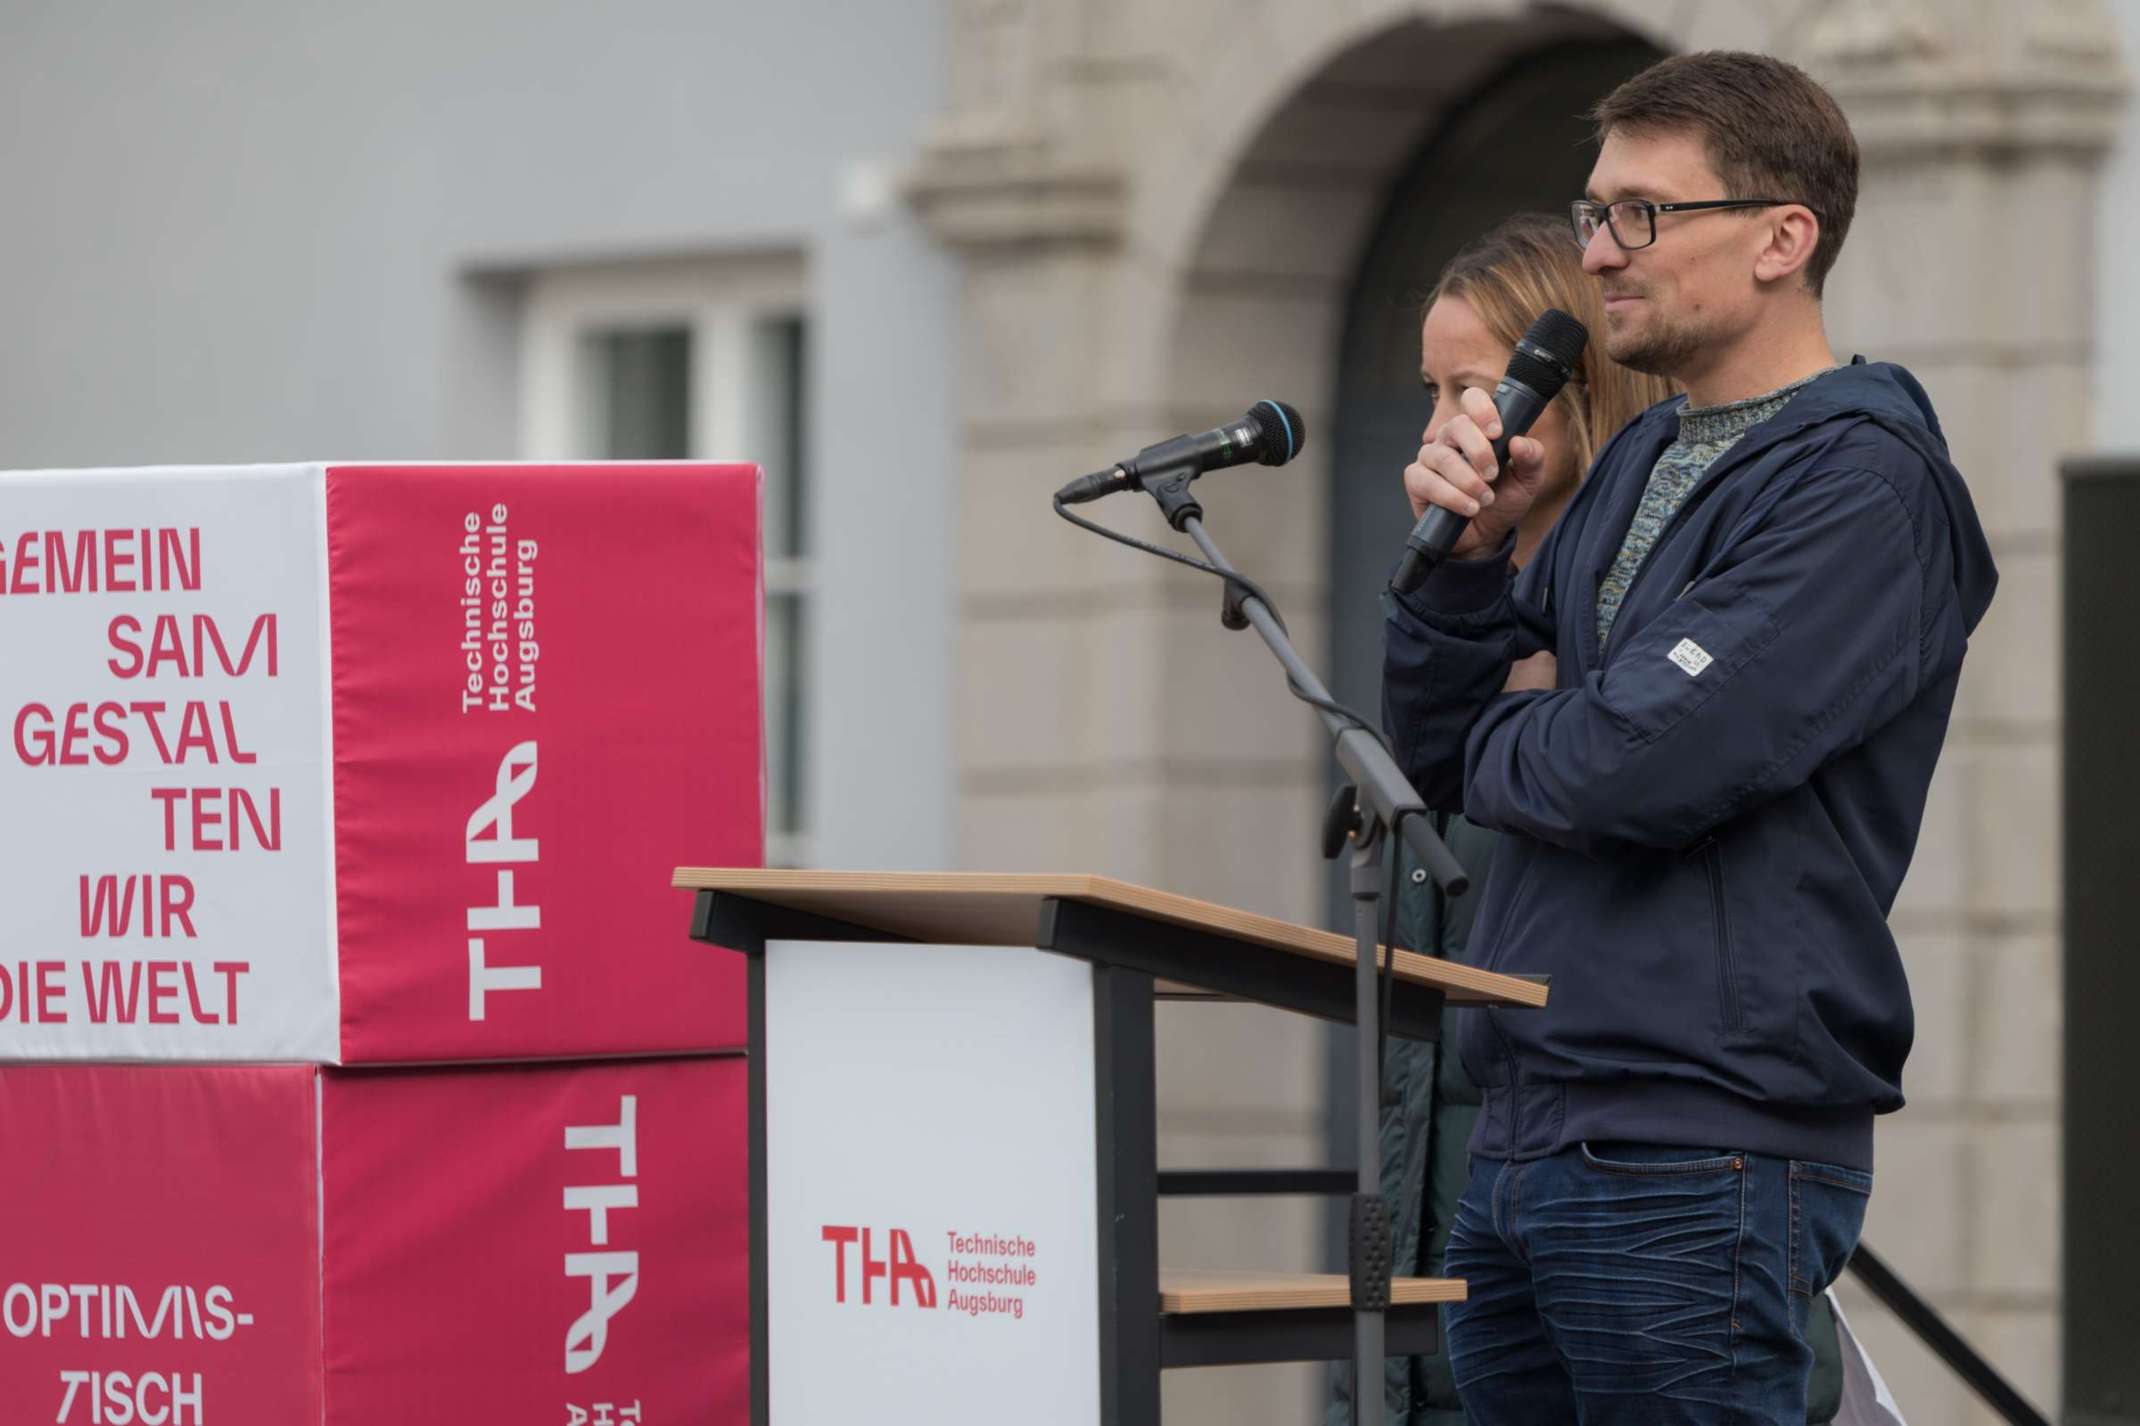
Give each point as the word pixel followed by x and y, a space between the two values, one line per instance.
pixel 931 1186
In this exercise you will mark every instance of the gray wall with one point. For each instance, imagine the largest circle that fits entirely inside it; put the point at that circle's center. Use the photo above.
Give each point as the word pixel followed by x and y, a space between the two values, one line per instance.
pixel 2117 333
pixel 240 230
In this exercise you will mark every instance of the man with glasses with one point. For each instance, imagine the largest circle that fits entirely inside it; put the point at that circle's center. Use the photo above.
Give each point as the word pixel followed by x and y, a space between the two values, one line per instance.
pixel 1706 716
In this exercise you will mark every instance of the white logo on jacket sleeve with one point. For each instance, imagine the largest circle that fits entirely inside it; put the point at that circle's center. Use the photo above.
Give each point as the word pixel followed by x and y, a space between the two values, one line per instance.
pixel 1690 656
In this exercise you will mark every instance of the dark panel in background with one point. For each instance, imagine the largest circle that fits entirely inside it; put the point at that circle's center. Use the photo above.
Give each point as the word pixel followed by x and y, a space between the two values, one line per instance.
pixel 2102 940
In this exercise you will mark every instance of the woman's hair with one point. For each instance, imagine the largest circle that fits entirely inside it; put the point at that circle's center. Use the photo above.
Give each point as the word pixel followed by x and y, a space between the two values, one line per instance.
pixel 1517 270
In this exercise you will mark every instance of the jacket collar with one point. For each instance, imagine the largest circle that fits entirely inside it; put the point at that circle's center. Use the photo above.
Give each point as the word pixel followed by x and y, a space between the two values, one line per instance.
pixel 1834 393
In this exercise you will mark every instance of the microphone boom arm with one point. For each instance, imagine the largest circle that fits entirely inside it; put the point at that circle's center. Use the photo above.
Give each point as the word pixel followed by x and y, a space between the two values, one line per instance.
pixel 1386 795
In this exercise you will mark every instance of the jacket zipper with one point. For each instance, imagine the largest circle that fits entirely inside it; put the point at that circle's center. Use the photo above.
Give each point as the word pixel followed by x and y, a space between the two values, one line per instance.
pixel 1720 919
pixel 1508 1056
pixel 1508 1053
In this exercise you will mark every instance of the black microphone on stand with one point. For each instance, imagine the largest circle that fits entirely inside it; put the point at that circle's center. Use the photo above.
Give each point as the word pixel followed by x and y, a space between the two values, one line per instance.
pixel 1270 434
pixel 1537 370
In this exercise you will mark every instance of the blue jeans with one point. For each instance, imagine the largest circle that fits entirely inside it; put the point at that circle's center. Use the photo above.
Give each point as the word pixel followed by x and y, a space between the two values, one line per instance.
pixel 1631 1283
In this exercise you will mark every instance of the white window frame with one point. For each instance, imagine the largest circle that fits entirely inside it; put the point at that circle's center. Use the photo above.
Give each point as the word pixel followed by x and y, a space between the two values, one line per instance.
pixel 720 301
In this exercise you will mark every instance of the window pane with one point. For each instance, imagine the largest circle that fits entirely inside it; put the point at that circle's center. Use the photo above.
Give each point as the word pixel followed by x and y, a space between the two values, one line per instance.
pixel 639 384
pixel 785 659
pixel 774 423
pixel 775 436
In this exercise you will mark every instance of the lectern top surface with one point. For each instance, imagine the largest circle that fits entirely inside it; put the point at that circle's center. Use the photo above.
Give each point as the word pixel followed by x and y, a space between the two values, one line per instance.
pixel 1003 908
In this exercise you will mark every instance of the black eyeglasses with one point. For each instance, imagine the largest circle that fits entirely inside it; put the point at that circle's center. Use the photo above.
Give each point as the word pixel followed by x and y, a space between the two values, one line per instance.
pixel 1633 221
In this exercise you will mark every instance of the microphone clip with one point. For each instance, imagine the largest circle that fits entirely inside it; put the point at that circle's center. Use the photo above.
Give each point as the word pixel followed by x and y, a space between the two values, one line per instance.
pixel 1170 487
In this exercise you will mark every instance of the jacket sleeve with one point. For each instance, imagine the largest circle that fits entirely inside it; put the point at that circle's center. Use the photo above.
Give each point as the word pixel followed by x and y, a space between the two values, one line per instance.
pixel 1798 642
pixel 1446 651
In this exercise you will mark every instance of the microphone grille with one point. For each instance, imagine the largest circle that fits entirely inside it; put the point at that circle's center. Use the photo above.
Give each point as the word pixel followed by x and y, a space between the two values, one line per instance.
pixel 1280 433
pixel 1549 352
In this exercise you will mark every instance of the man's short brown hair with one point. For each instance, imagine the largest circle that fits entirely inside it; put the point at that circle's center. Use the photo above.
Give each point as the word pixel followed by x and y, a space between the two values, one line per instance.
pixel 1770 132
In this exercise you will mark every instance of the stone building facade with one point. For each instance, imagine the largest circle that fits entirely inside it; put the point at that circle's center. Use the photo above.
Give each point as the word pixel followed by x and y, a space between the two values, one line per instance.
pixel 1161 211
pixel 1122 219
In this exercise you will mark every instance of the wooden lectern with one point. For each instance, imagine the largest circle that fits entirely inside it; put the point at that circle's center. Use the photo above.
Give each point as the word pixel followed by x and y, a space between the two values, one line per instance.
pixel 954 1173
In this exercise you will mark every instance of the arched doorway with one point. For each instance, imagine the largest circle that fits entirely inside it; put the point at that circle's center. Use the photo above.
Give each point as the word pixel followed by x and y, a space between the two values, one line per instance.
pixel 1322 215
pixel 1518 142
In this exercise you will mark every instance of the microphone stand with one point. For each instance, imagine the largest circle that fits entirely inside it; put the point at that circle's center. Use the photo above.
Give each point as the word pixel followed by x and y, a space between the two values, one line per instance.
pixel 1385 807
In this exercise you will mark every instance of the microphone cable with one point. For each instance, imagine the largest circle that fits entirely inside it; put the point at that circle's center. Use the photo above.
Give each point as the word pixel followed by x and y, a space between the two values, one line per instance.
pixel 1246 585
pixel 1386 972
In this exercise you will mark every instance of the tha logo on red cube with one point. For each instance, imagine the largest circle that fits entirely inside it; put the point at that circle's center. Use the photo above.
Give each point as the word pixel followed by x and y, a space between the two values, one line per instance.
pixel 612 1276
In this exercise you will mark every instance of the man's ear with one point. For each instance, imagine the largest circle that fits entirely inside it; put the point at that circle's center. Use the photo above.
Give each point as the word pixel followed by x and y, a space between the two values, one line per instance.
pixel 1793 233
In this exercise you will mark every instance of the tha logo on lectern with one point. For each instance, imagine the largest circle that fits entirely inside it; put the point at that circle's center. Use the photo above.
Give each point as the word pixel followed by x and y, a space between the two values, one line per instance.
pixel 899 1265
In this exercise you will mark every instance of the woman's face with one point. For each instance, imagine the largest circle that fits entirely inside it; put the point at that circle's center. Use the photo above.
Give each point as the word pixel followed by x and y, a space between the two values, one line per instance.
pixel 1455 351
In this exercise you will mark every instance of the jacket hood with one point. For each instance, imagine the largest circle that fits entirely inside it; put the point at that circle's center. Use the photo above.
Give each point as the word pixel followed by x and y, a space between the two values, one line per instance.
pixel 1890 397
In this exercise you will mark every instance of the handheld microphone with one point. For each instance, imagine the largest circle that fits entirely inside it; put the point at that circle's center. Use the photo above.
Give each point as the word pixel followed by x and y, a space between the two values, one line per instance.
pixel 1538 368
pixel 1270 434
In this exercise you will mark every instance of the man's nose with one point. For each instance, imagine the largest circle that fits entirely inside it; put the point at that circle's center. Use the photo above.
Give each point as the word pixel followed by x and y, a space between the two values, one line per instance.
pixel 1603 252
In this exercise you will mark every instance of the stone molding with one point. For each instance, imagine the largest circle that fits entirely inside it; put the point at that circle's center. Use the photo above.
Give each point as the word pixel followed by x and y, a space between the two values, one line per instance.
pixel 1923 81
pixel 991 174
pixel 1016 194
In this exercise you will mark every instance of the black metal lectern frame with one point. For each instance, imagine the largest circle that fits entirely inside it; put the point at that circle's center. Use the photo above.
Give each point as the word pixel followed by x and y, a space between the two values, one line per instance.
pixel 1130 954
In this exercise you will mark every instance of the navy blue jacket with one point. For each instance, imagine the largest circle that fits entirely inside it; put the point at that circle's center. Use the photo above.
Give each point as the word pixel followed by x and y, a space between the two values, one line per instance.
pixel 1709 817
